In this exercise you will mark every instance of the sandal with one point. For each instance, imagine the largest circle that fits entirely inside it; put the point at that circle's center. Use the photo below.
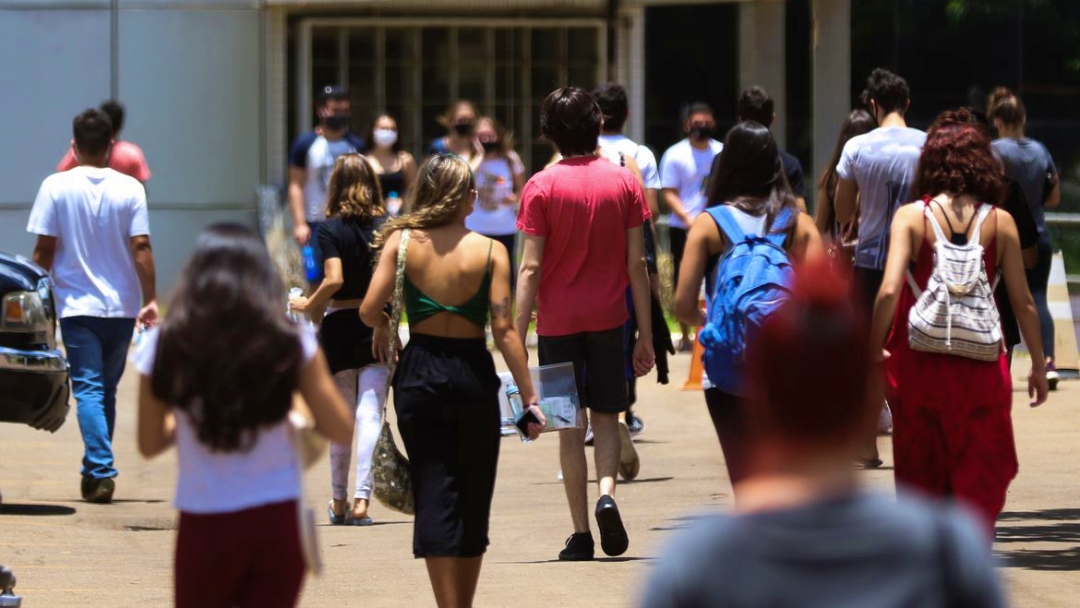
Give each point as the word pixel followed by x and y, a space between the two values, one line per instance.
pixel 335 520
pixel 363 521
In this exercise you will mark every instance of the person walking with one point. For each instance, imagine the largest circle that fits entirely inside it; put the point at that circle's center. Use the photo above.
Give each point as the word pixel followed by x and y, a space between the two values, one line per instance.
pixel 804 532
pixel 749 187
pixel 446 392
pixel 311 160
pixel 582 221
pixel 395 167
pixel 93 236
pixel 756 105
pixel 1029 163
pixel 124 156
pixel 876 171
pixel 460 121
pixel 684 175
pixel 858 122
pixel 951 395
pixel 219 384
pixel 356 355
pixel 499 180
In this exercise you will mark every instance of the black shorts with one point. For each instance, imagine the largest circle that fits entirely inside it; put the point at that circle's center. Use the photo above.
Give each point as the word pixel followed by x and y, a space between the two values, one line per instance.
pixel 599 364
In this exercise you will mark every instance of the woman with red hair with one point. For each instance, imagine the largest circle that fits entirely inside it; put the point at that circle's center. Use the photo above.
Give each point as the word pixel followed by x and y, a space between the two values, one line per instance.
pixel 952 428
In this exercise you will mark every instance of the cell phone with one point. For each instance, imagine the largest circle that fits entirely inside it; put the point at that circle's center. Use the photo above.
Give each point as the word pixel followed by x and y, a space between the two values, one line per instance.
pixel 523 423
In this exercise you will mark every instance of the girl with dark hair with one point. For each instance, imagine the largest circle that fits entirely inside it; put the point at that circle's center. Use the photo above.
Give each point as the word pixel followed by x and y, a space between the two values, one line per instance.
pixel 858 122
pixel 499 180
pixel 952 430
pixel 460 121
pixel 1029 163
pixel 218 380
pixel 445 386
pixel 356 355
pixel 395 167
pixel 748 178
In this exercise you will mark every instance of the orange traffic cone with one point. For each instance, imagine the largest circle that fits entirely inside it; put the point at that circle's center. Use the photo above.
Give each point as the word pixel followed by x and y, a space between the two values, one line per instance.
pixel 697 369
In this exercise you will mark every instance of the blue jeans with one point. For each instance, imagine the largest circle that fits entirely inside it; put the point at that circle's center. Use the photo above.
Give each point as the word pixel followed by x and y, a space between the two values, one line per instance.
pixel 97 350
pixel 1038 279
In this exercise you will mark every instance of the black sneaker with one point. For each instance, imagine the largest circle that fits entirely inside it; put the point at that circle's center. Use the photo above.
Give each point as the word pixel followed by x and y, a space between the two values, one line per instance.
pixel 579 548
pixel 99 491
pixel 613 538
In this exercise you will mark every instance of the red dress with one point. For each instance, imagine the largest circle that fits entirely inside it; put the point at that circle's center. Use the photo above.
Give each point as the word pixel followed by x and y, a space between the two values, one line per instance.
pixel 952 426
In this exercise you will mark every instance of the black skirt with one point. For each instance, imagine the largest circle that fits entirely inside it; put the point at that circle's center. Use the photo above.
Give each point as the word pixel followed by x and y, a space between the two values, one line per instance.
pixel 447 403
pixel 346 341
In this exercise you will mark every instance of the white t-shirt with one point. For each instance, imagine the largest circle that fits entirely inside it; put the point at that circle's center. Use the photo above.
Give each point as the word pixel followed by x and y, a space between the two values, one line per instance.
pixel 646 160
pixel 882 162
pixel 492 215
pixel 93 213
pixel 224 482
pixel 317 155
pixel 686 170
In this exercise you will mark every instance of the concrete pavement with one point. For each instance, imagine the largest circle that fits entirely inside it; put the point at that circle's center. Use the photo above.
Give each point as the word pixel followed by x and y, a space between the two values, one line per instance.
pixel 68 553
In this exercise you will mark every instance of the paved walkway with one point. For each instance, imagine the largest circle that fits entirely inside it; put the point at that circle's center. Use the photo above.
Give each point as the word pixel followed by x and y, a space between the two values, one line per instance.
pixel 67 553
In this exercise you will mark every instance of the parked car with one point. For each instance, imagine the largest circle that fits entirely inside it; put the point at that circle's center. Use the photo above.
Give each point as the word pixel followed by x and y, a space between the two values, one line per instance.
pixel 34 387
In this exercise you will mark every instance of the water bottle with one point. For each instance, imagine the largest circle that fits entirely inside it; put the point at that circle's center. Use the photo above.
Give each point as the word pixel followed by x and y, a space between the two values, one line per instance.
pixel 311 268
pixel 517 408
pixel 298 317
pixel 393 203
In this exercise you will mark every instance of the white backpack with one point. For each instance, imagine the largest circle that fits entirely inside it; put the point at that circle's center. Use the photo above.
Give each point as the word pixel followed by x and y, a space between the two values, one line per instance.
pixel 956 315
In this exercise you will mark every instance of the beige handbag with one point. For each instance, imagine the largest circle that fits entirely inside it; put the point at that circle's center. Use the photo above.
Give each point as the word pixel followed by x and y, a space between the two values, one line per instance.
pixel 392 480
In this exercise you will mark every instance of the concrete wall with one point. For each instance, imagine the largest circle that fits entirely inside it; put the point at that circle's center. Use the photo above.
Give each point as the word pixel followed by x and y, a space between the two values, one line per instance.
pixel 191 78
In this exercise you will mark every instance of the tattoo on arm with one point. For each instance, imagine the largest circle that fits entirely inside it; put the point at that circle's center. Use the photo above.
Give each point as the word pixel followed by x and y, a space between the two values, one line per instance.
pixel 501 310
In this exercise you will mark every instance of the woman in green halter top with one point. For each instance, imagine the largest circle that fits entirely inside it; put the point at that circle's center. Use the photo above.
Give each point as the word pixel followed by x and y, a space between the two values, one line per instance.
pixel 446 391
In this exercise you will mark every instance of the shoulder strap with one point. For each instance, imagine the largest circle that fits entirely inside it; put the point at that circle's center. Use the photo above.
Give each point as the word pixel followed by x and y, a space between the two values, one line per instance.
pixel 781 223
pixel 722 216
pixel 980 216
pixel 396 305
pixel 939 234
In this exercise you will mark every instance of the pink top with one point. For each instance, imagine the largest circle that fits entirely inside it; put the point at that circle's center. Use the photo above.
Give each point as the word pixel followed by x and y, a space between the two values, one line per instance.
pixel 582 207
pixel 125 157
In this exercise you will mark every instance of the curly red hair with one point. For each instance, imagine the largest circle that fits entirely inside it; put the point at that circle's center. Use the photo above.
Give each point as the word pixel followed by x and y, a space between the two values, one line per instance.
pixel 957 159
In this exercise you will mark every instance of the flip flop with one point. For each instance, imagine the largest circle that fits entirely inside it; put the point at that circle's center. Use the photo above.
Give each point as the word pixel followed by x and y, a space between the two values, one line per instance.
pixel 334 519
pixel 363 521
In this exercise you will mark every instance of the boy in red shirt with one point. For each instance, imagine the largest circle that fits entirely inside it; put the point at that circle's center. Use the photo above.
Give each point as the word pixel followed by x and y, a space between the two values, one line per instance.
pixel 582 220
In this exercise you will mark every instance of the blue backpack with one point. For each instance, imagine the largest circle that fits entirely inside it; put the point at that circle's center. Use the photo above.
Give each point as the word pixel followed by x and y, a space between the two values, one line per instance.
pixel 751 281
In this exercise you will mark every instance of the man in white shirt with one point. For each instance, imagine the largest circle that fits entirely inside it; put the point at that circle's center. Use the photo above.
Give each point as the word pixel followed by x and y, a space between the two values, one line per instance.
pixel 684 174
pixel 93 235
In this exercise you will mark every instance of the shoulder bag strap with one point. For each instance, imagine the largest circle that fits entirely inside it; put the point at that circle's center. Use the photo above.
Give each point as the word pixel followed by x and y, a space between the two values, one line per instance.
pixel 396 305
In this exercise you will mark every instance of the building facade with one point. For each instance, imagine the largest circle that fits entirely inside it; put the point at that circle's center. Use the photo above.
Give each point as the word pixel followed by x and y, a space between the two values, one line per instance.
pixel 216 89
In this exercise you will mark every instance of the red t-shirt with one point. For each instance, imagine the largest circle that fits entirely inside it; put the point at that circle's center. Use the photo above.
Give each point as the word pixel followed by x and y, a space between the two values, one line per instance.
pixel 582 207
pixel 125 157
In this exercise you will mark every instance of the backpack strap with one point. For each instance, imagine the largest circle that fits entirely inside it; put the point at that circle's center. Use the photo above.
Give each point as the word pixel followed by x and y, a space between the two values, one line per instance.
pixel 939 234
pixel 722 216
pixel 980 217
pixel 777 235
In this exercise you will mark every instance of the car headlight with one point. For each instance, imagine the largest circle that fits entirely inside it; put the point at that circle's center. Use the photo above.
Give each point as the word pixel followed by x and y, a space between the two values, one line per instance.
pixel 26 312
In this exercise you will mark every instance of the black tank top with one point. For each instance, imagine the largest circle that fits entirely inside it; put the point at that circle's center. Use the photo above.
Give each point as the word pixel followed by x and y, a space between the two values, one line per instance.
pixel 392 182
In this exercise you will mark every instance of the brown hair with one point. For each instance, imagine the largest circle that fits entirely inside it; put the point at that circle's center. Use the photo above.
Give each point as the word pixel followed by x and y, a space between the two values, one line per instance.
pixel 1006 106
pixel 504 139
pixel 447 118
pixel 354 190
pixel 442 187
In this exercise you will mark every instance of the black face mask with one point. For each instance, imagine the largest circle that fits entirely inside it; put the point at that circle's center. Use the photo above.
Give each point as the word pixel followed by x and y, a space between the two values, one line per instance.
pixel 464 129
pixel 489 146
pixel 701 132
pixel 336 122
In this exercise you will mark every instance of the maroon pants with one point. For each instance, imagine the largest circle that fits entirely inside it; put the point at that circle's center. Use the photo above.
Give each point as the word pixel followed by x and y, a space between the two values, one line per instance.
pixel 245 558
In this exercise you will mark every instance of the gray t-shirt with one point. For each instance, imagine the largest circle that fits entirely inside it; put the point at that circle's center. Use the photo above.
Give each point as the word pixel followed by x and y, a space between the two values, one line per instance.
pixel 882 162
pixel 1029 163
pixel 857 551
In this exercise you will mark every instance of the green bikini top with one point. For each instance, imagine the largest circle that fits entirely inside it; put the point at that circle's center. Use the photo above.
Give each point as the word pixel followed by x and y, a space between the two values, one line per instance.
pixel 419 306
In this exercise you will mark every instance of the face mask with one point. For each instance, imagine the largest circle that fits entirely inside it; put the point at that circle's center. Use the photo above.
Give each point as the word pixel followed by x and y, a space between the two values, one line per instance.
pixel 385 137
pixel 701 133
pixel 464 129
pixel 489 146
pixel 336 122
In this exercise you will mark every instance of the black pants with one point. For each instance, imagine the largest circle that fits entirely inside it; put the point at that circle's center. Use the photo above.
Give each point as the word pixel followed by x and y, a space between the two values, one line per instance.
pixel 1038 279
pixel 677 239
pixel 446 395
pixel 730 423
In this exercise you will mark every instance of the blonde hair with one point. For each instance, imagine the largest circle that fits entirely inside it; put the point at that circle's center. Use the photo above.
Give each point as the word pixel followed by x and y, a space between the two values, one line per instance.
pixel 354 190
pixel 442 188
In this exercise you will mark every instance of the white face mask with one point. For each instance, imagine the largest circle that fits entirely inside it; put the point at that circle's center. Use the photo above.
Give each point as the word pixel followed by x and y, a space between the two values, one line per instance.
pixel 385 137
